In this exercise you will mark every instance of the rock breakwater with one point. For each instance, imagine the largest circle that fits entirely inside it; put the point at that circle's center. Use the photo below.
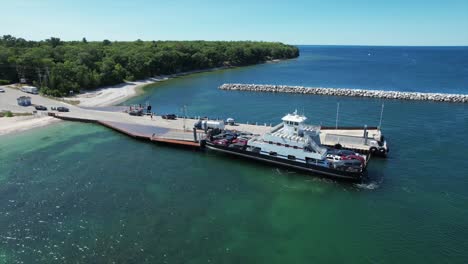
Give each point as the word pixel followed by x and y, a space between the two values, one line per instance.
pixel 436 97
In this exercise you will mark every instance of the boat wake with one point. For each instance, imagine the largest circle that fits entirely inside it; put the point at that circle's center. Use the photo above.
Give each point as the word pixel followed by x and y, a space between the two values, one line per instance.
pixel 368 186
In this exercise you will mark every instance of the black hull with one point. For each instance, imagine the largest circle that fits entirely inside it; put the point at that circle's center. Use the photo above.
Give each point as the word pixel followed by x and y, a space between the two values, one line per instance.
pixel 310 168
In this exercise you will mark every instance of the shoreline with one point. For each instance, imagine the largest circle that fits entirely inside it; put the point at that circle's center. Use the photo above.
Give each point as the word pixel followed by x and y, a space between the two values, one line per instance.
pixel 10 125
pixel 116 94
pixel 104 96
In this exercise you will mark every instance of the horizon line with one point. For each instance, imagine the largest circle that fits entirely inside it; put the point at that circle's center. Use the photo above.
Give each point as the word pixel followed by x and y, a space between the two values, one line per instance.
pixel 381 45
pixel 294 44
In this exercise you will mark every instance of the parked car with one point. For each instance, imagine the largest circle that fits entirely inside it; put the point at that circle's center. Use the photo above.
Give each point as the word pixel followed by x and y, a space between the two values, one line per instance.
pixel 341 152
pixel 136 112
pixel 353 157
pixel 2 90
pixel 241 141
pixel 333 157
pixel 29 89
pixel 62 109
pixel 222 142
pixel 40 108
pixel 169 116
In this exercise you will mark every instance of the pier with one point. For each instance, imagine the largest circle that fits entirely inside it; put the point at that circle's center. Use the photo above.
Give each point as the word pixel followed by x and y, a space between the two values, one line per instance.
pixel 180 132
pixel 139 129
pixel 156 129
pixel 435 97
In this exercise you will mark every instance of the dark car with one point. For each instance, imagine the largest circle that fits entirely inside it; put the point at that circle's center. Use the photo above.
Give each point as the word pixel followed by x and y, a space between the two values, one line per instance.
pixel 136 112
pixel 40 108
pixel 344 152
pixel 341 152
pixel 62 109
pixel 169 116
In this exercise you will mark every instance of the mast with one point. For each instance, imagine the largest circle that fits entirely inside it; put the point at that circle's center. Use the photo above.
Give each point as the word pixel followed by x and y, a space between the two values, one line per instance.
pixel 381 115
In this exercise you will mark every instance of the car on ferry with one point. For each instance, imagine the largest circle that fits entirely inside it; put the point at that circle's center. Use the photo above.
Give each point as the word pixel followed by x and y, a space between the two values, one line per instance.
pixel 343 154
pixel 354 157
pixel 291 144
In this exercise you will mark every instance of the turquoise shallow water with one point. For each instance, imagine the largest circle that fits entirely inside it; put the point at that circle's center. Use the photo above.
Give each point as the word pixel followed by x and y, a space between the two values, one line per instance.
pixel 81 193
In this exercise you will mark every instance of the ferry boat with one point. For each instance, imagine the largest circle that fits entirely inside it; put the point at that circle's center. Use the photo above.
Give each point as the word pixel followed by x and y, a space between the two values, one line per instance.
pixel 291 144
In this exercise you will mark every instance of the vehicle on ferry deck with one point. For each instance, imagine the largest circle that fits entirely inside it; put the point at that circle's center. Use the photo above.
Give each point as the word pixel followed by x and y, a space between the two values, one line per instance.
pixel 292 144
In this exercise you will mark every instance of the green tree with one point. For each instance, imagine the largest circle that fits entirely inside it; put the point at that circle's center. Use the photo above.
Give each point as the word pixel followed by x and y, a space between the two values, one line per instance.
pixel 71 66
pixel 54 42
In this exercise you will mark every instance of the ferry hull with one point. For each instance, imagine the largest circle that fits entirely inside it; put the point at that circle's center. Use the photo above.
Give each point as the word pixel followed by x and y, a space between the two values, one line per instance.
pixel 310 168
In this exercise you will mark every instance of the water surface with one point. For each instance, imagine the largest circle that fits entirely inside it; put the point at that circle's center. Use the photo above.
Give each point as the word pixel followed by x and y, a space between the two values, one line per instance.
pixel 81 193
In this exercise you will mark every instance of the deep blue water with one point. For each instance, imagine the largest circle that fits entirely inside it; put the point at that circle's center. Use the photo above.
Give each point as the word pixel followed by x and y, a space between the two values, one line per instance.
pixel 422 69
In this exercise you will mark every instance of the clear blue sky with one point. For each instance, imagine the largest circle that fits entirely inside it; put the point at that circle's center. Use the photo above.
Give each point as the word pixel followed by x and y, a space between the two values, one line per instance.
pixel 339 22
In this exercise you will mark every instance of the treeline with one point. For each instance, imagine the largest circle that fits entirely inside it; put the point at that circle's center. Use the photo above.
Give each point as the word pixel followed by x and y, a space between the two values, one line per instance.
pixel 59 67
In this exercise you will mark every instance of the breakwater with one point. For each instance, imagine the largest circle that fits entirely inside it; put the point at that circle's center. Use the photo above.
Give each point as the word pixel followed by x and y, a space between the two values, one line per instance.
pixel 437 97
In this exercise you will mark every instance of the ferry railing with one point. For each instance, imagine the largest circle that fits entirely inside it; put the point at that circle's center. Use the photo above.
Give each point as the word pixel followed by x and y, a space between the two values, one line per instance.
pixel 345 139
pixel 315 146
pixel 276 128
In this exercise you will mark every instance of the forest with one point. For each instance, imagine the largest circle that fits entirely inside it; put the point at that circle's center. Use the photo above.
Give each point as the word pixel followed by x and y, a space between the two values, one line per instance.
pixel 61 67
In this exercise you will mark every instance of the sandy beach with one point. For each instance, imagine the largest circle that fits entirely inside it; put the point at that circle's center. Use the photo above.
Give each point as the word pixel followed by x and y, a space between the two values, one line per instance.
pixel 116 94
pixel 105 96
pixel 113 95
pixel 16 124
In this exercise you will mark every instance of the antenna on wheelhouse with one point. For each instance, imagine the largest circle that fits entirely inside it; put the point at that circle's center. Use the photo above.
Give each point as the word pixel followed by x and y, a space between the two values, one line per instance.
pixel 381 116
pixel 337 111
